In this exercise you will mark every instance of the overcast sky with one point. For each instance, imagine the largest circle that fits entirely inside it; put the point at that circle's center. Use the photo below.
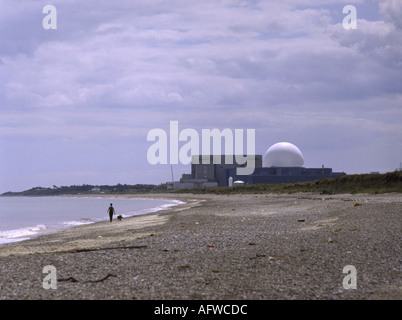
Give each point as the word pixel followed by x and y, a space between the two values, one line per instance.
pixel 76 103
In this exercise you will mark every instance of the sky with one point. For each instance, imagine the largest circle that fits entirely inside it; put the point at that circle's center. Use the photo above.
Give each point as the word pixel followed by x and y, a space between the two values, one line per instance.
pixel 77 102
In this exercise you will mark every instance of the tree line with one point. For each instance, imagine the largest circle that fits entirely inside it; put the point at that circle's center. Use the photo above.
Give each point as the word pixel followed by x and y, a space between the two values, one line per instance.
pixel 87 189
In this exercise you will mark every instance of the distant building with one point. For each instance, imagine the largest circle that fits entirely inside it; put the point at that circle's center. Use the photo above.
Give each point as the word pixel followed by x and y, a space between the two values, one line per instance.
pixel 282 163
pixel 285 175
pixel 205 168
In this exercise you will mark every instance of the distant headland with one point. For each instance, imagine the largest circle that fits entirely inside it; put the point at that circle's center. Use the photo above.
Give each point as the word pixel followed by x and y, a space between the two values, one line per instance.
pixel 87 189
pixel 373 183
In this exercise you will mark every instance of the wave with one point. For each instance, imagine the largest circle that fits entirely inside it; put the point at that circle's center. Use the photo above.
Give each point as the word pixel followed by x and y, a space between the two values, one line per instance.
pixel 20 234
pixel 27 233
pixel 80 222
pixel 155 209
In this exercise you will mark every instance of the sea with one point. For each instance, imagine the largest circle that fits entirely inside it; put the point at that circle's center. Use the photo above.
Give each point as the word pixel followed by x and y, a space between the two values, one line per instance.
pixel 22 218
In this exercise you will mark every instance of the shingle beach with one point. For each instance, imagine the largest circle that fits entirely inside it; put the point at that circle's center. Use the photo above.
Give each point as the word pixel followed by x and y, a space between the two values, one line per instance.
pixel 240 247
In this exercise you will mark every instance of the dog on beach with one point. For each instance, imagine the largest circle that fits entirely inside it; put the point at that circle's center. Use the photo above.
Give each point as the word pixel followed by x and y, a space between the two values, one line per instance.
pixel 119 217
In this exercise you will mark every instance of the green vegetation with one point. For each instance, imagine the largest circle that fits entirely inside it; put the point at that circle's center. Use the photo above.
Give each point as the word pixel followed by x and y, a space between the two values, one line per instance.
pixel 357 183
pixel 87 189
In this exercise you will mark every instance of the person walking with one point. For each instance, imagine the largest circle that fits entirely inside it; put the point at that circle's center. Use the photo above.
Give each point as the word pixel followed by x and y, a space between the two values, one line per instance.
pixel 111 212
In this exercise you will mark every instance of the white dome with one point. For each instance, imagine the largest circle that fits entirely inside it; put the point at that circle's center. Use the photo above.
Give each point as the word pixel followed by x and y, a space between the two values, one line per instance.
pixel 283 154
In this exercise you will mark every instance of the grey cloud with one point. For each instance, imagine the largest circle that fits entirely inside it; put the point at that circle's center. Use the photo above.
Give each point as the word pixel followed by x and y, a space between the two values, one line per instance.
pixel 114 70
pixel 392 12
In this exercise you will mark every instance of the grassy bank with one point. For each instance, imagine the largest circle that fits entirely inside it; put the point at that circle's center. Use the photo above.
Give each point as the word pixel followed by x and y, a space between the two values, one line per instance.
pixel 357 183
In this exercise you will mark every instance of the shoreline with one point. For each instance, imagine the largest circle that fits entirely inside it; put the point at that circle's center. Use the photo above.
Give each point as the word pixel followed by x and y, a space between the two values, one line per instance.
pixel 258 246
pixel 37 244
pixel 45 231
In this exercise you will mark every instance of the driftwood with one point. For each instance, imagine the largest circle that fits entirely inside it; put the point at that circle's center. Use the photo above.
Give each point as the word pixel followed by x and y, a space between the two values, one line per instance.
pixel 72 279
pixel 101 249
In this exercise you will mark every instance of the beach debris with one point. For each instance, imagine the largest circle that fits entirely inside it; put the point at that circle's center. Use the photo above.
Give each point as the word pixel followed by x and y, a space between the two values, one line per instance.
pixel 167 250
pixel 258 256
pixel 101 279
pixel 301 220
pixel 252 244
pixel 185 266
pixel 357 204
pixel 103 248
pixel 69 279
pixel 72 279
pixel 273 258
pixel 210 245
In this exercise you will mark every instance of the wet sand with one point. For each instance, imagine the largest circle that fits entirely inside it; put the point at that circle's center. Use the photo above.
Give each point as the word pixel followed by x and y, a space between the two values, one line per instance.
pixel 221 247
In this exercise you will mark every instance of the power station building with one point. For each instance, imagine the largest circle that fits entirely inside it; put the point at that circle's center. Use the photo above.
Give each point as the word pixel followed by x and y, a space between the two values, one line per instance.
pixel 283 162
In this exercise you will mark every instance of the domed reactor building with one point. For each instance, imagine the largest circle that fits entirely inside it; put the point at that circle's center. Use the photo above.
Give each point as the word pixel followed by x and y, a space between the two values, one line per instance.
pixel 283 162
pixel 283 154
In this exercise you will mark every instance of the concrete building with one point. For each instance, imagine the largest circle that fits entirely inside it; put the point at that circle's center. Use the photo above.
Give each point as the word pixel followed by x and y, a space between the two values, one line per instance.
pixel 283 162
pixel 284 175
pixel 210 171
pixel 214 168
